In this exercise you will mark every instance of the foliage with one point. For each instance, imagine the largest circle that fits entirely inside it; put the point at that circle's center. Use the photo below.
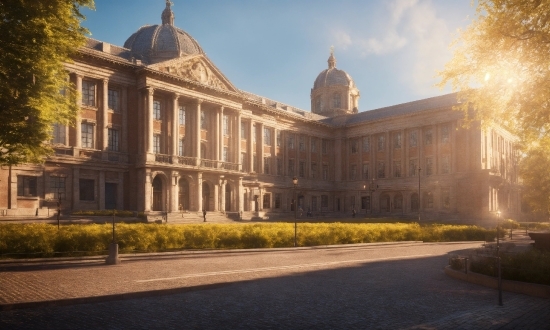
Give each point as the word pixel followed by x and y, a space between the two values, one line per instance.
pixel 45 239
pixel 536 177
pixel 104 213
pixel 501 68
pixel 37 39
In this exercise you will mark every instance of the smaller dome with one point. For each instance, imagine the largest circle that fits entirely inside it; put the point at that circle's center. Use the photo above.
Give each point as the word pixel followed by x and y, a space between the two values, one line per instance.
pixel 333 76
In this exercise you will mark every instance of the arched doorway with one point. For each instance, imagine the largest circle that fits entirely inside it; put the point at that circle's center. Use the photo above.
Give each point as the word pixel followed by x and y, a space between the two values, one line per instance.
pixel 384 203
pixel 183 194
pixel 205 196
pixel 227 198
pixel 157 194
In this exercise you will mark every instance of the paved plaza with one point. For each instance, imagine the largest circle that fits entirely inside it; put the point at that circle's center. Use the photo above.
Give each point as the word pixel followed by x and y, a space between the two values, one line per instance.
pixel 366 286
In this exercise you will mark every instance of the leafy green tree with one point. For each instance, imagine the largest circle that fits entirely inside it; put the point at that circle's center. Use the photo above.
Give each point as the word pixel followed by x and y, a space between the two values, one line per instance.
pixel 501 66
pixel 536 176
pixel 37 38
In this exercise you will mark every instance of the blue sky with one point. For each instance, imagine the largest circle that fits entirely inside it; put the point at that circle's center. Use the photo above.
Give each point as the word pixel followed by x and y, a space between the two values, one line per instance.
pixel 391 48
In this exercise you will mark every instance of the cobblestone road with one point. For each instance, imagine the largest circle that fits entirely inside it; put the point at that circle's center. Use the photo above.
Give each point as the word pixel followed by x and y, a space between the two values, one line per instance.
pixel 366 287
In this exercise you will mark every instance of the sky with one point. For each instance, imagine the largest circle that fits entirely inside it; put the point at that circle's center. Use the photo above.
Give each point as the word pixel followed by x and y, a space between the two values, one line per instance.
pixel 276 48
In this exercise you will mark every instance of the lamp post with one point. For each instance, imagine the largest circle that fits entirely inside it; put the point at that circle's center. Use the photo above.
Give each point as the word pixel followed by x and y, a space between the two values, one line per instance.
pixel 498 262
pixel 295 182
pixel 419 169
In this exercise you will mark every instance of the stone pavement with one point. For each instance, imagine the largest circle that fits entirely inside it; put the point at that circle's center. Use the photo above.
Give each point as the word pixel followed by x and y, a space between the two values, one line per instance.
pixel 370 286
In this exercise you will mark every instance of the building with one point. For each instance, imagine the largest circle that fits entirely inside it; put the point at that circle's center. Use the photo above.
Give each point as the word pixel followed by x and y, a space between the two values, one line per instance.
pixel 162 129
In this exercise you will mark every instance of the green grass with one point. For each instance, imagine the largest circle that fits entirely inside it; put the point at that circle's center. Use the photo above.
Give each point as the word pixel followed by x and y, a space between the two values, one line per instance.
pixel 24 240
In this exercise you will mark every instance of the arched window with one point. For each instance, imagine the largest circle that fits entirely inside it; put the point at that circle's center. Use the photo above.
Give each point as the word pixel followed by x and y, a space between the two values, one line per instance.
pixel 318 104
pixel 398 202
pixel 336 101
pixel 414 202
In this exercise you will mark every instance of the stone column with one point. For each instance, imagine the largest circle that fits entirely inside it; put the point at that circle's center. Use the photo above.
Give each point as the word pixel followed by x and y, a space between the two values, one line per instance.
pixel 240 197
pixel 175 125
pixel 197 132
pixel 199 191
pixel 149 123
pixel 148 190
pixel 260 199
pixel 174 177
pixel 237 137
pixel 101 190
pixel 102 130
pixel 260 148
pixel 124 133
pixel 250 150
pixel 219 135
pixel 222 196
pixel 78 128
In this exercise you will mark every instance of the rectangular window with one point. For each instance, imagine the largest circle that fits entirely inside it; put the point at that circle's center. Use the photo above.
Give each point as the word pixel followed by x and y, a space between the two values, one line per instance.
pixel 87 189
pixel 267 136
pixel 114 100
pixel 255 163
pixel 325 172
pixel 87 135
pixel 267 201
pixel 181 147
pixel 225 125
pixel 302 144
pixel 291 141
pixel 302 169
pixel 324 200
pixel 26 186
pixel 203 120
pixel 428 136
pixel 57 187
pixel 243 131
pixel 156 143
pixel 313 170
pixel 381 170
pixel 313 145
pixel 428 200
pixel 396 169
pixel 397 140
pixel 353 172
pixel 445 134
pixel 277 201
pixel 58 134
pixel 267 161
pixel 181 113
pixel 314 203
pixel 291 167
pixel 88 93
pixel 413 139
pixel 413 167
pixel 279 138
pixel 429 166
pixel 156 110
pixel 381 142
pixel 225 154
pixel 365 171
pixel 364 200
pixel 113 139
pixel 244 163
pixel 446 199
pixel 354 146
pixel 366 143
pixel 445 165
pixel 324 147
pixel 279 166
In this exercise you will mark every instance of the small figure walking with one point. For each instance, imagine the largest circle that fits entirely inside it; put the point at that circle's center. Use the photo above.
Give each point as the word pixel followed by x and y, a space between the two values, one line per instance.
pixel 353 212
pixel 204 214
pixel 181 210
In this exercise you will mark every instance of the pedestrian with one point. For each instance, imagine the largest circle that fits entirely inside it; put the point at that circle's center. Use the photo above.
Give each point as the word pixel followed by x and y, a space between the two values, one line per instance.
pixel 204 214
pixel 353 212
pixel 181 210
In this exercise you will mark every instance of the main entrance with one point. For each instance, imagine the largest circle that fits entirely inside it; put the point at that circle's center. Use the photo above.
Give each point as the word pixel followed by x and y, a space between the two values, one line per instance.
pixel 157 194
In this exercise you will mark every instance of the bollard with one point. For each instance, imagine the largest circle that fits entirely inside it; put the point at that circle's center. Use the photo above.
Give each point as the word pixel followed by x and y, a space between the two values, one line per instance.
pixel 113 258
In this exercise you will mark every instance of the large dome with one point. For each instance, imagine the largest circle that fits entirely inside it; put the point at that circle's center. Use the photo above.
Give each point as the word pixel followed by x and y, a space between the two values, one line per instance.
pixel 333 76
pixel 156 43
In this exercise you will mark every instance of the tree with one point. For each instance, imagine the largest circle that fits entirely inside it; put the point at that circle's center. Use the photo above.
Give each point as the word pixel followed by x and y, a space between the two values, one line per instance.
pixel 501 67
pixel 37 39
pixel 536 177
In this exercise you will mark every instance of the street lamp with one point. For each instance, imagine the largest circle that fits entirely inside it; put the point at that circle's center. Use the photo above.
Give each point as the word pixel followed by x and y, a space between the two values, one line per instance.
pixel 498 261
pixel 295 182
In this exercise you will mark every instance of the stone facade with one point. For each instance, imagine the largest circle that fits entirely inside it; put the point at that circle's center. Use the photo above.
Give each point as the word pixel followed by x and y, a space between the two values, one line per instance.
pixel 162 129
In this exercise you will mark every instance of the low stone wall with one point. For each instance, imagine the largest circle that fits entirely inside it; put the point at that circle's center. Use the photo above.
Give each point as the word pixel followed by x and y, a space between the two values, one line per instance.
pixel 531 289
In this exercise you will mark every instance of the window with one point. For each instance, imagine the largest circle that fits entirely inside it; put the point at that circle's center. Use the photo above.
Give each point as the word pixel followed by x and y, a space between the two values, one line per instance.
pixel 181 147
pixel 57 187
pixel 277 201
pixel 365 202
pixel 156 110
pixel 267 160
pixel 302 144
pixel 181 113
pixel 397 140
pixel 279 166
pixel 414 202
pixel 336 100
pixel 381 170
pixel 313 170
pixel 291 167
pixel 313 145
pixel 244 163
pixel 366 143
pixel 445 134
pixel 279 138
pixel 428 136
pixel 446 199
pixel 225 155
pixel 318 104
pixel 88 93
pixel 324 200
pixel 114 100
pixel 413 139
pixel 413 167
pixel 428 200
pixel 58 134
pixel 325 172
pixel 87 135
pixel 324 146
pixel 113 139
pixel 398 202
pixel 314 203
pixel 156 144
pixel 291 142
pixel 267 136
pixel 243 131
pixel 445 165
pixel 203 120
pixel 381 142
pixel 429 166
pixel 396 169
pixel 365 171
pixel 354 146
pixel 26 186
pixel 267 201
pixel 225 125
pixel 302 169
pixel 255 163
pixel 353 172
pixel 87 189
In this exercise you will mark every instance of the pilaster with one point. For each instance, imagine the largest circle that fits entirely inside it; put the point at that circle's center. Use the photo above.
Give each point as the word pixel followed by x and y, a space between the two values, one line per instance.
pixel 78 128
pixel 175 126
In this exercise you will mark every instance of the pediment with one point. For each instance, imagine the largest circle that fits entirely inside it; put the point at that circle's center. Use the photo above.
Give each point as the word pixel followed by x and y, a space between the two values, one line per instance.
pixel 196 68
